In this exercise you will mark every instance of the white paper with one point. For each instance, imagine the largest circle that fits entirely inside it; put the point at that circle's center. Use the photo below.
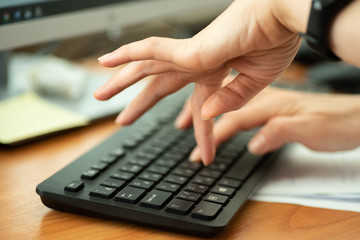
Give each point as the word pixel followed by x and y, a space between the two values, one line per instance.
pixel 319 179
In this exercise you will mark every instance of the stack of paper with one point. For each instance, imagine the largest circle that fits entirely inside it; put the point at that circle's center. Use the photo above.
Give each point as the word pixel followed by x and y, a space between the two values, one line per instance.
pixel 318 179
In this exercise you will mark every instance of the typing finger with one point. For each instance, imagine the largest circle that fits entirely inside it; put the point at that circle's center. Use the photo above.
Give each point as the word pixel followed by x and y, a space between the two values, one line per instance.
pixel 157 88
pixel 131 74
pixel 203 128
pixel 153 48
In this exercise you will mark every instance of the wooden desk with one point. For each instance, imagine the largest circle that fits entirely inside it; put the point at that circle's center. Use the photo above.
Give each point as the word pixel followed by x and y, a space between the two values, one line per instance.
pixel 23 216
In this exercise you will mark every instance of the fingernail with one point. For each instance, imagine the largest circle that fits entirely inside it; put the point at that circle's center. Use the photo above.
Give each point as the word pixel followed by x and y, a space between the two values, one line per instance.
pixel 104 57
pixel 195 156
pixel 207 112
pixel 257 145
pixel 204 114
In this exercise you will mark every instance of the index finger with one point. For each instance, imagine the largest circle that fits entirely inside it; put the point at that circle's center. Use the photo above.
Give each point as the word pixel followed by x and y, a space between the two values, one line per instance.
pixel 153 48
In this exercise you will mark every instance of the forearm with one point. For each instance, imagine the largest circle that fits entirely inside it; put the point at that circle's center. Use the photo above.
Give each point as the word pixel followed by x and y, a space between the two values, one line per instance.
pixel 344 35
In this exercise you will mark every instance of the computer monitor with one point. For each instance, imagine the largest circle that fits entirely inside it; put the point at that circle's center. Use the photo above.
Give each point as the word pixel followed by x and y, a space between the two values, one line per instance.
pixel 28 22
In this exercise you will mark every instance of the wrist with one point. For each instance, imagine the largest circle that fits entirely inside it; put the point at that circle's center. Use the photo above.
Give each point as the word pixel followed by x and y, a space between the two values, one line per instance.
pixel 292 14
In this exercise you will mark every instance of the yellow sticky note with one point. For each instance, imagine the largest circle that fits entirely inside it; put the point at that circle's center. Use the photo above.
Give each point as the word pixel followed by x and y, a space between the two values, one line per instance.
pixel 28 115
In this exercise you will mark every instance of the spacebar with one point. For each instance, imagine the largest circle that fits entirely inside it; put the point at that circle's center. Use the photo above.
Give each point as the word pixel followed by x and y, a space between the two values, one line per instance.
pixel 243 166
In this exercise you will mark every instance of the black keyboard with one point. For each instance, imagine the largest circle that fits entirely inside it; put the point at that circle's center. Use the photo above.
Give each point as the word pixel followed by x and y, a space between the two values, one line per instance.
pixel 142 174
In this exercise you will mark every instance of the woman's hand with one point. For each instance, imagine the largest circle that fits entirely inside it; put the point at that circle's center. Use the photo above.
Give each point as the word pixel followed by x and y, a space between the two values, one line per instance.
pixel 247 37
pixel 324 122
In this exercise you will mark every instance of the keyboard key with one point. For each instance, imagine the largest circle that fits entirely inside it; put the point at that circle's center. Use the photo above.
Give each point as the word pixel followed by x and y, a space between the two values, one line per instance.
pixel 179 206
pixel 109 159
pixel 131 168
pixel 103 192
pixel 74 186
pixel 131 143
pixel 192 165
pixel 118 152
pixel 100 166
pixel 154 177
pixel 243 167
pixel 230 183
pixel 206 210
pixel 196 188
pixel 112 182
pixel 90 174
pixel 166 162
pixel 141 184
pixel 204 180
pixel 169 187
pixel 216 198
pixel 140 162
pixel 155 199
pixel 146 155
pixel 129 194
pixel 122 175
pixel 158 169
pixel 190 196
pixel 210 173
pixel 222 167
pixel 228 191
pixel 176 179
pixel 174 156
pixel 183 172
pixel 153 150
